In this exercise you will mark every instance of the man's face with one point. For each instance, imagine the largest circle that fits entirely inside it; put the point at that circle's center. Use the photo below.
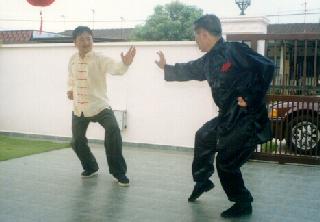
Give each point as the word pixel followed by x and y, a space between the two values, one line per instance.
pixel 84 43
pixel 200 37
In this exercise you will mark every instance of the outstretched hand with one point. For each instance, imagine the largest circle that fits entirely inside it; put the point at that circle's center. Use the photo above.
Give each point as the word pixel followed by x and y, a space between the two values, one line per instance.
pixel 162 60
pixel 128 57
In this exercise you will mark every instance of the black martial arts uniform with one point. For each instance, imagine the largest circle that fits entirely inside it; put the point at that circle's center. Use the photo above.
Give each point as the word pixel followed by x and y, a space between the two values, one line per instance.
pixel 232 70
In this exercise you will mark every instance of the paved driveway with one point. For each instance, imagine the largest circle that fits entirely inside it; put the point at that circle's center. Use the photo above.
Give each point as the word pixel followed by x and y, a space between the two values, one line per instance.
pixel 47 187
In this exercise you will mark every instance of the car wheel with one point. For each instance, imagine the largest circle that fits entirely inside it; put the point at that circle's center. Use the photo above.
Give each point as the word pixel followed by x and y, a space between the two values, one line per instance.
pixel 304 135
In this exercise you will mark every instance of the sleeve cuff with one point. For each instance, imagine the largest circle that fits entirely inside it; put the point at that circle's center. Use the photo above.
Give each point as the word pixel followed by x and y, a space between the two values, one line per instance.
pixel 169 73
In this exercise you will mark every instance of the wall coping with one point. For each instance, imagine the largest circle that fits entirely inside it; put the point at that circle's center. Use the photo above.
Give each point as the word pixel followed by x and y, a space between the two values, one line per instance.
pixel 110 44
pixel 245 19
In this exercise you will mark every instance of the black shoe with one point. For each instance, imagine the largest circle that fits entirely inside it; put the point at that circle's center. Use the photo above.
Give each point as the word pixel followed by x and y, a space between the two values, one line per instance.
pixel 122 180
pixel 199 189
pixel 89 173
pixel 237 210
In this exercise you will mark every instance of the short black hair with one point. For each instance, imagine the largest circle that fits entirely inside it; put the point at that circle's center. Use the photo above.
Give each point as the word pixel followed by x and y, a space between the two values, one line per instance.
pixel 211 23
pixel 79 30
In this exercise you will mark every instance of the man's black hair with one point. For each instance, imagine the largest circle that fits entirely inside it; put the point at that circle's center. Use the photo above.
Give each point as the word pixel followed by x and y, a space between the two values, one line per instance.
pixel 211 23
pixel 79 30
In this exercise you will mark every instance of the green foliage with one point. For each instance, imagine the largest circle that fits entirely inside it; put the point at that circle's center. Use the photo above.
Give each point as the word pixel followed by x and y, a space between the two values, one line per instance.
pixel 269 147
pixel 11 147
pixel 172 22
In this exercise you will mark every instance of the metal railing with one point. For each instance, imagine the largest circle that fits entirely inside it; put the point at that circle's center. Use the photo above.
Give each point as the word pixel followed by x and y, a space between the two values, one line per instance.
pixel 293 101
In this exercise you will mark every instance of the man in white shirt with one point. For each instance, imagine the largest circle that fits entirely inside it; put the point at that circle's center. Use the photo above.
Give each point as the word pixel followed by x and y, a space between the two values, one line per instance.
pixel 88 89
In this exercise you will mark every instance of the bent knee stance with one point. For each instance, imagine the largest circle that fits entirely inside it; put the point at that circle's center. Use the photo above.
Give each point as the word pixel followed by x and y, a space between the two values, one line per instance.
pixel 113 129
pixel 226 165
pixel 78 142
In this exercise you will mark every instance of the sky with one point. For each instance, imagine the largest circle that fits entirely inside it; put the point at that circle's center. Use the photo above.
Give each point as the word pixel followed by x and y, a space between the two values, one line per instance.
pixel 98 14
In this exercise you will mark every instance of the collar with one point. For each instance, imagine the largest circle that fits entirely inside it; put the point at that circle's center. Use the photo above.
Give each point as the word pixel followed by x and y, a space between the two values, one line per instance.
pixel 217 46
pixel 86 56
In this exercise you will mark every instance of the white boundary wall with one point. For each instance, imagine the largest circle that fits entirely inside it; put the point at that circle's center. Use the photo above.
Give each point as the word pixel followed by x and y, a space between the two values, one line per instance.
pixel 33 92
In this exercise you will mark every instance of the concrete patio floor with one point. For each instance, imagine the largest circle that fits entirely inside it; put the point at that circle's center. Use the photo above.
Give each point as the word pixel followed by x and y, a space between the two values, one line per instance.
pixel 47 187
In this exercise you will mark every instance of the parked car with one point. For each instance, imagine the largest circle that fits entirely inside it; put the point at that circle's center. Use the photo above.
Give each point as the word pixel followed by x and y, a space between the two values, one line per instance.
pixel 298 123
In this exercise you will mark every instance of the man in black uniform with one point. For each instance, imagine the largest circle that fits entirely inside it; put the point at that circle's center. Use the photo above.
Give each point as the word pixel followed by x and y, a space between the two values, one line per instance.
pixel 239 79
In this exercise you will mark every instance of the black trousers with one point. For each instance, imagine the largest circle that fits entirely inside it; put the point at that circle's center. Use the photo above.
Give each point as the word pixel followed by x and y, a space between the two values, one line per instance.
pixel 112 142
pixel 231 155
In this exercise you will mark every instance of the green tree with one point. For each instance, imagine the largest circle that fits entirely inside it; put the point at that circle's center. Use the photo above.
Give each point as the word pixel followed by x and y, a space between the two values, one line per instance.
pixel 171 22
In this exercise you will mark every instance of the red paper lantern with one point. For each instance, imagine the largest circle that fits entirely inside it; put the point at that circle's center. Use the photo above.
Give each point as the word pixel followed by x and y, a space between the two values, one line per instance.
pixel 40 2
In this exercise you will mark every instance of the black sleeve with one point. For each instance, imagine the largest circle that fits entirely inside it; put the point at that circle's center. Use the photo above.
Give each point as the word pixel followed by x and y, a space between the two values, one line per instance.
pixel 260 70
pixel 193 70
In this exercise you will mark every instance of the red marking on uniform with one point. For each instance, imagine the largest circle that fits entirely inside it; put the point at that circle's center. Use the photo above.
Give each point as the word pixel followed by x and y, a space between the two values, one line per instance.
pixel 226 66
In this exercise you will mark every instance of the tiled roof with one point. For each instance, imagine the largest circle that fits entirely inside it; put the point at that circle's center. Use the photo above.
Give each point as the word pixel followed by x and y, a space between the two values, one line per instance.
pixel 293 28
pixel 115 34
pixel 17 36
pixel 27 36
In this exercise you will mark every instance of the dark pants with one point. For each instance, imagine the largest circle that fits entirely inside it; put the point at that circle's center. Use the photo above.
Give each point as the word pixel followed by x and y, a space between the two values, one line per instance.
pixel 112 142
pixel 229 159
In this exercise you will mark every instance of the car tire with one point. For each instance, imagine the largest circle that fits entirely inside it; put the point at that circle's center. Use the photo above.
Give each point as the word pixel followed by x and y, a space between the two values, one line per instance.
pixel 303 135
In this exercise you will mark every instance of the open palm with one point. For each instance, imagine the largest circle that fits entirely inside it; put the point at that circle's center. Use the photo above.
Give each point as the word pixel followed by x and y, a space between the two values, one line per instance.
pixel 128 57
